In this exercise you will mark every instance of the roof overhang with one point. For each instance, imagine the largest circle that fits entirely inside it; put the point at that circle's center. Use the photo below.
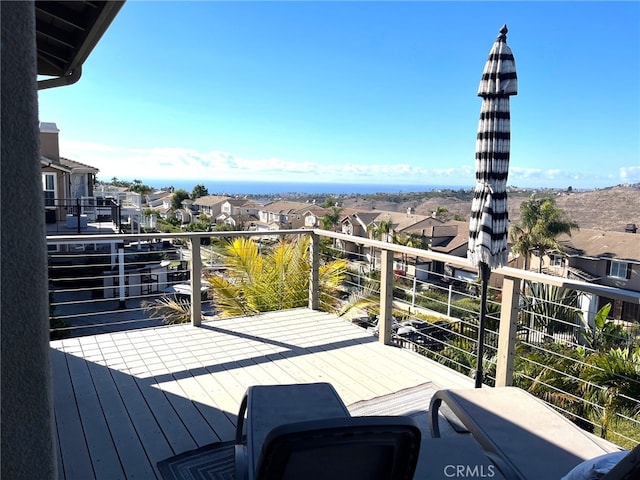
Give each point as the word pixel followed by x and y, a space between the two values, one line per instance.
pixel 66 33
pixel 46 162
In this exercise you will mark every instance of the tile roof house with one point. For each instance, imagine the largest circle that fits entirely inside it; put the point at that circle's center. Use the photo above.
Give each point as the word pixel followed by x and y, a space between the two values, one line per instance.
pixel 602 257
pixel 210 204
pixel 239 206
pixel 239 213
pixel 287 214
pixel 161 202
pixel 63 180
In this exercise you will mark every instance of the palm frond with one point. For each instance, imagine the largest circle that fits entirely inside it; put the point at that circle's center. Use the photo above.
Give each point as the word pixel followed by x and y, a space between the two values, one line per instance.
pixel 170 310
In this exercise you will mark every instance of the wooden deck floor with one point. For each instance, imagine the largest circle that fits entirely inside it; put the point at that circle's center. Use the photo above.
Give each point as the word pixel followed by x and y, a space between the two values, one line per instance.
pixel 124 401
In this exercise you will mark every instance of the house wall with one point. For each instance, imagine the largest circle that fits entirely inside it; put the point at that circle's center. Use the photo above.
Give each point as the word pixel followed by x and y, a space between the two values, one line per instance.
pixel 61 191
pixel 632 283
pixel 49 144
pixel 27 436
pixel 212 210
pixel 311 221
pixel 79 185
pixel 599 269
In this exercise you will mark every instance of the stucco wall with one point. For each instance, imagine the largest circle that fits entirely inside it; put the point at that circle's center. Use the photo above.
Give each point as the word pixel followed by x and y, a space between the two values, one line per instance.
pixel 27 410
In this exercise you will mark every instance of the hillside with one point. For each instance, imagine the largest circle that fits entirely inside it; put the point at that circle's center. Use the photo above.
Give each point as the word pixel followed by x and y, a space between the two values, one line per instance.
pixel 605 209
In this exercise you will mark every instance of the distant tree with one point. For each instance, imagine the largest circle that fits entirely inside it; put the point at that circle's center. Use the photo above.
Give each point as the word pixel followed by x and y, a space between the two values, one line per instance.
pixel 441 212
pixel 178 197
pixel 168 225
pixel 330 202
pixel 138 187
pixel 199 191
pixel 570 189
pixel 541 223
pixel 223 227
pixel 198 226
pixel 147 212
pixel 330 219
pixel 119 183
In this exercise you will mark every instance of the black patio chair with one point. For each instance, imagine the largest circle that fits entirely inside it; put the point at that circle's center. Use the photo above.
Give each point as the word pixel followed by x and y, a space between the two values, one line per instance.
pixel 349 448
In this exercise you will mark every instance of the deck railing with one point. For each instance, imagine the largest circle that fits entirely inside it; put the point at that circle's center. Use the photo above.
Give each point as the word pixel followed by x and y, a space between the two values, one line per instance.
pixel 540 330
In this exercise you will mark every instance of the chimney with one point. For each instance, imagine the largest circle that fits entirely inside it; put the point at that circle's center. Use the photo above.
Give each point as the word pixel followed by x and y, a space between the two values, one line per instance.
pixel 631 228
pixel 409 211
pixel 49 146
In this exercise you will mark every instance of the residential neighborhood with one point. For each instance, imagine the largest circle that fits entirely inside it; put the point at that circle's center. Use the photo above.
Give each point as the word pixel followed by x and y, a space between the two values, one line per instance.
pixel 73 198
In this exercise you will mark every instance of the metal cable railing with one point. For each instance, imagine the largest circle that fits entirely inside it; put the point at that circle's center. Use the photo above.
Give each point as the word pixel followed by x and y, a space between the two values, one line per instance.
pixel 105 283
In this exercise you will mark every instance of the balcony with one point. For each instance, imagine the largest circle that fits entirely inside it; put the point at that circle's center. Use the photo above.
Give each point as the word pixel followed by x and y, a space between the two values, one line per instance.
pixel 130 390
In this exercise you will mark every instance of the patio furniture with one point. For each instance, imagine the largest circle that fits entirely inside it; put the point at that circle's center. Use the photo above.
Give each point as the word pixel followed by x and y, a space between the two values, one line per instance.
pixel 305 431
pixel 148 282
pixel 351 448
pixel 512 426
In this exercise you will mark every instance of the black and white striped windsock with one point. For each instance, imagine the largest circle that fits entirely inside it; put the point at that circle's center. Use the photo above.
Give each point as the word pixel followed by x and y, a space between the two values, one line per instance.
pixel 488 227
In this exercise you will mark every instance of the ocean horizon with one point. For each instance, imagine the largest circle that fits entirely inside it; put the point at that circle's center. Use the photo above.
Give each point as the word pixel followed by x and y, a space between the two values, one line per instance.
pixel 226 187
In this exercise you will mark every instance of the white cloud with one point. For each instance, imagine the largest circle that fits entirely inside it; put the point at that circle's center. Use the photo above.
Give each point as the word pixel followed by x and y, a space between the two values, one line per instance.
pixel 188 164
pixel 630 174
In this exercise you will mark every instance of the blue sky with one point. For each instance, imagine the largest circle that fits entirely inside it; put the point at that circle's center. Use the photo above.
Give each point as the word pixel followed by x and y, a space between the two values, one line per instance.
pixel 357 92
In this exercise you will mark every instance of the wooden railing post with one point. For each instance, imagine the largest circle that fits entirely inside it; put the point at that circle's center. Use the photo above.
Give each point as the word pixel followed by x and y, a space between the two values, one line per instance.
pixel 314 271
pixel 196 274
pixel 386 297
pixel 508 331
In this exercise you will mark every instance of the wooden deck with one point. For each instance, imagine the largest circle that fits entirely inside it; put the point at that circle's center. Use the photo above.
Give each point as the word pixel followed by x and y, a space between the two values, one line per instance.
pixel 124 401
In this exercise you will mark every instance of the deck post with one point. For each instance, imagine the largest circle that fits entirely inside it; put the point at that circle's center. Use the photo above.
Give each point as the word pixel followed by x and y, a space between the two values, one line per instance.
pixel 314 280
pixel 386 297
pixel 196 274
pixel 508 331
pixel 121 280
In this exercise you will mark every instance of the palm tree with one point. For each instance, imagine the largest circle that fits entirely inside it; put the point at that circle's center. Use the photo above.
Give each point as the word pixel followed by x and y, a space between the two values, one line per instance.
pixel 541 223
pixel 379 231
pixel 274 279
pixel 412 240
pixel 330 219
pixel 170 310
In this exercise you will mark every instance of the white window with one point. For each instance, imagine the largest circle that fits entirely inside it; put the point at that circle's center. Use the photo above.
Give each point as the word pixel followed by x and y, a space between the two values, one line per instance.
pixel 556 260
pixel 619 269
pixel 49 188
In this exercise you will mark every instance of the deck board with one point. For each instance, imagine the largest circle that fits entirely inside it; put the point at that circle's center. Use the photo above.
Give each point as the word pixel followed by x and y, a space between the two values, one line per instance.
pixel 101 449
pixel 164 413
pixel 131 452
pixel 126 400
pixel 73 447
pixel 148 431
